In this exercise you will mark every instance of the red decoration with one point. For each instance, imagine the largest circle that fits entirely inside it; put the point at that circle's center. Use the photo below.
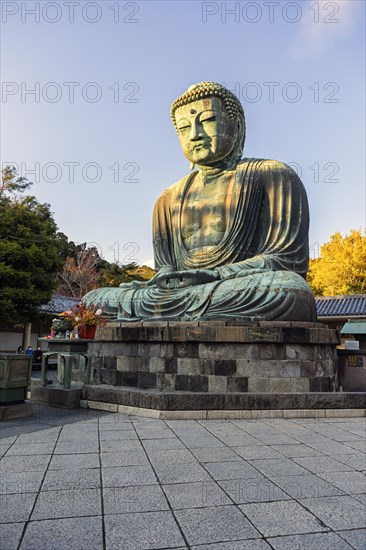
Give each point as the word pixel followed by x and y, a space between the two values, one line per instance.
pixel 87 333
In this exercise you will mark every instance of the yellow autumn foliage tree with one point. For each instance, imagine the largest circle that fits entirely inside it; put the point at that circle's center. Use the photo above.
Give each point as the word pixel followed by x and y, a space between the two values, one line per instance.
pixel 341 268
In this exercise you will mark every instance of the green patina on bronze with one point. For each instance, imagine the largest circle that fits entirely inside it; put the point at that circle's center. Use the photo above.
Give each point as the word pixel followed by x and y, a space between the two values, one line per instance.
pixel 231 238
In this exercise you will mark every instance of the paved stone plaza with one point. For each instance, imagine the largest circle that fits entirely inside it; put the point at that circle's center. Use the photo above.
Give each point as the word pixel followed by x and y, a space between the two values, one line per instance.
pixel 95 480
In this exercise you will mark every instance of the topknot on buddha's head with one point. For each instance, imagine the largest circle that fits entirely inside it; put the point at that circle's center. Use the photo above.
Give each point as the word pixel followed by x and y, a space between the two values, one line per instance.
pixel 203 90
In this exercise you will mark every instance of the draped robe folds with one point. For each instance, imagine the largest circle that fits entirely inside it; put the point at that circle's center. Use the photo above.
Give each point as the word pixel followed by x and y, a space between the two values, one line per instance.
pixel 262 258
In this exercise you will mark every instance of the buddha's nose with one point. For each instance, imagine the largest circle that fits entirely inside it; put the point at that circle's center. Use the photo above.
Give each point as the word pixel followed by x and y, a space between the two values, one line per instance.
pixel 196 132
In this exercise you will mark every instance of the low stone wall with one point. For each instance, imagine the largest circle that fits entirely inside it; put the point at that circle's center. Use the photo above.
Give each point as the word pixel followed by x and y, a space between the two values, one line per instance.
pixel 216 357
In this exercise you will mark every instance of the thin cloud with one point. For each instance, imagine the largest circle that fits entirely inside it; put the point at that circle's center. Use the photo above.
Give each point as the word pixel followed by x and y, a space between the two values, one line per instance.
pixel 322 24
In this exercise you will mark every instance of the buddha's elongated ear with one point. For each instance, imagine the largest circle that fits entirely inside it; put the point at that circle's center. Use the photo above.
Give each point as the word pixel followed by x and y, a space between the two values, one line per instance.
pixel 239 139
pixel 192 165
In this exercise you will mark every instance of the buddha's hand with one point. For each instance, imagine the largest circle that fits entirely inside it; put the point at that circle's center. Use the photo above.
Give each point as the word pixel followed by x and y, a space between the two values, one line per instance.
pixel 189 277
pixel 160 275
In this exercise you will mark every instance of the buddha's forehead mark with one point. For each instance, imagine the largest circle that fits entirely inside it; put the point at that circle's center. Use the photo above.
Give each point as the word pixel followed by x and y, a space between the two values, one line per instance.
pixel 191 112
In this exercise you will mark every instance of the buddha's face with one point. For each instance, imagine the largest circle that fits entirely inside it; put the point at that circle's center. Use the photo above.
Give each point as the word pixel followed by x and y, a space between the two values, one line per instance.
pixel 206 133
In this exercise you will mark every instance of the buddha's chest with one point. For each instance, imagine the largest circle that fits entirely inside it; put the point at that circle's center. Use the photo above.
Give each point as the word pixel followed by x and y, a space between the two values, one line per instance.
pixel 204 214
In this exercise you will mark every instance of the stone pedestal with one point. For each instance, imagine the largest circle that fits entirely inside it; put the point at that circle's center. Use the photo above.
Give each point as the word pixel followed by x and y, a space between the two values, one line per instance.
pixel 68 394
pixel 216 357
pixel 72 361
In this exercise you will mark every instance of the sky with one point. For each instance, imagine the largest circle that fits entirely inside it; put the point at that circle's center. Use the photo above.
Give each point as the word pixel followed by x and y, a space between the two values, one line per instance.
pixel 87 88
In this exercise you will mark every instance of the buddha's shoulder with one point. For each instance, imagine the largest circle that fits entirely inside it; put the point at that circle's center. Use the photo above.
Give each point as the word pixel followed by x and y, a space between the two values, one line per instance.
pixel 264 165
pixel 175 188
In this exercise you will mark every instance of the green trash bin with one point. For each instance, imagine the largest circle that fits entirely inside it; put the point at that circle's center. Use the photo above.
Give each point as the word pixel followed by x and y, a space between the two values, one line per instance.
pixel 15 377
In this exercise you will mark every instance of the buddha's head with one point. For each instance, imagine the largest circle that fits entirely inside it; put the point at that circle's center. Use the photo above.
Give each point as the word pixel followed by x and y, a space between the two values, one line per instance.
pixel 210 124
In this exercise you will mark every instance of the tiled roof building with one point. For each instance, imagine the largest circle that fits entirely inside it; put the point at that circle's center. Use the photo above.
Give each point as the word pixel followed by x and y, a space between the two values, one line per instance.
pixel 59 303
pixel 341 306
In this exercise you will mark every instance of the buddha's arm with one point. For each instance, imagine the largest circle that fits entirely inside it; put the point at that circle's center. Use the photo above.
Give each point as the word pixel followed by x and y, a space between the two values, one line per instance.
pixel 282 232
pixel 163 234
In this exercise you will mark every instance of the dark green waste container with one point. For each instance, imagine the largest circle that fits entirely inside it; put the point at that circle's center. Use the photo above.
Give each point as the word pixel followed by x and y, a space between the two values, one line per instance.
pixel 15 377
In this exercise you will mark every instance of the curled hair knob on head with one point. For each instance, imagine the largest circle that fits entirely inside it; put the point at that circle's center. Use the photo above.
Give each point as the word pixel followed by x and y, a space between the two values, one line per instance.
pixel 209 89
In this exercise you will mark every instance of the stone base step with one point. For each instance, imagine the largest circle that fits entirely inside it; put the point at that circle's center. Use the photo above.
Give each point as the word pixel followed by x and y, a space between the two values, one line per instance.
pixel 18 410
pixel 316 414
pixel 233 402
pixel 57 396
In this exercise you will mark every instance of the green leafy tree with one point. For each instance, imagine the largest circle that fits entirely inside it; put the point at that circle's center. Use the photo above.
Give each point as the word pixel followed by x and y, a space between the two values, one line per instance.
pixel 30 251
pixel 67 248
pixel 341 268
pixel 11 184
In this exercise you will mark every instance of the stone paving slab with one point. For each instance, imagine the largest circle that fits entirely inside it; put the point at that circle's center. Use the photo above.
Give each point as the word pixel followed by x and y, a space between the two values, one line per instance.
pixel 342 512
pixel 349 482
pixel 20 482
pixel 238 469
pixel 23 463
pixel 10 535
pixel 76 461
pixel 143 498
pixel 5 444
pixel 259 489
pixel 172 456
pixel 295 451
pixel 60 534
pixel 276 467
pixel 46 436
pixel 361 498
pixel 320 541
pixel 67 503
pixel 160 444
pixel 330 448
pixel 29 449
pixel 128 475
pixel 218 454
pixel 322 464
pixel 357 461
pixel 281 518
pixel 355 538
pixel 237 545
pixel 57 480
pixel 195 495
pixel 237 440
pixel 82 479
pixel 180 473
pixel 215 524
pixel 141 531
pixel 16 507
pixel 115 435
pixel 113 446
pixel 358 445
pixel 124 458
pixel 306 486
pixel 77 446
pixel 252 452
pixel 80 435
pixel 198 441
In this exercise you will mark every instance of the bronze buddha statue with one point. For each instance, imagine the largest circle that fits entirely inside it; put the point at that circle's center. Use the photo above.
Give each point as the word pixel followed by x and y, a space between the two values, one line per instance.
pixel 231 238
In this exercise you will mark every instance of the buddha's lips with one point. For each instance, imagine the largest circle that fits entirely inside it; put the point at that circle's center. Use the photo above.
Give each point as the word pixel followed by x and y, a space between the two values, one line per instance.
pixel 198 146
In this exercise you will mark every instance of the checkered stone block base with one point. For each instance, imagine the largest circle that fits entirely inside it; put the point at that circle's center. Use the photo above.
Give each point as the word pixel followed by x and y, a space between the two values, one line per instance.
pixel 216 356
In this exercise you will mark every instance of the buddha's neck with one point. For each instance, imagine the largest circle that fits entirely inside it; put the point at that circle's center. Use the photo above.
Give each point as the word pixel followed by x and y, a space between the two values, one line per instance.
pixel 214 171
